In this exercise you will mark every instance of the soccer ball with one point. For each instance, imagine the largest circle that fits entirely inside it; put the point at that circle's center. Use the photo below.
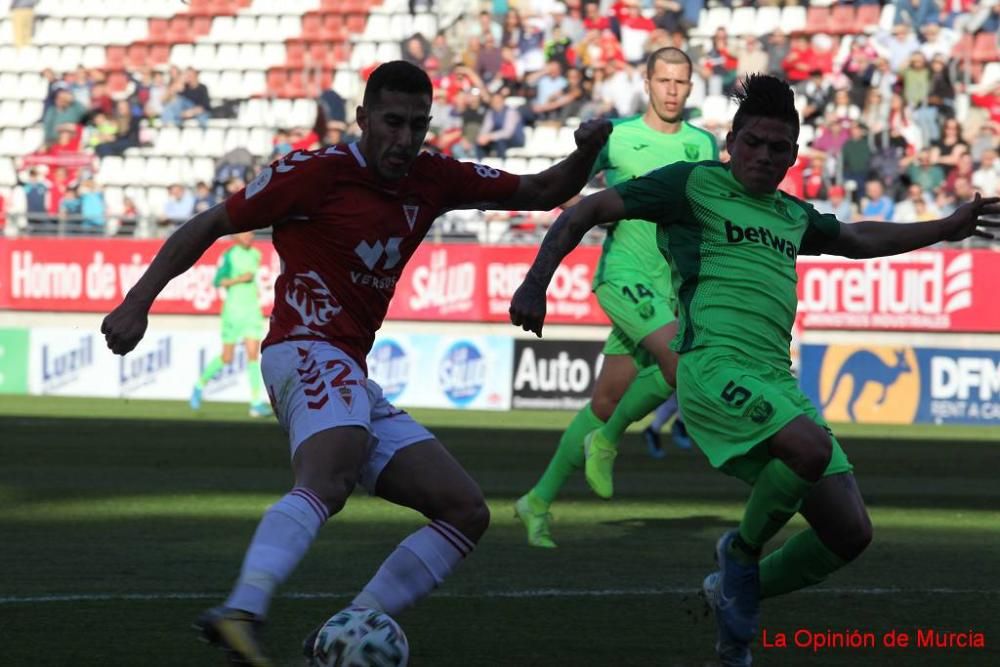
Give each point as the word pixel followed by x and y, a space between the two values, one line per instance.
pixel 360 637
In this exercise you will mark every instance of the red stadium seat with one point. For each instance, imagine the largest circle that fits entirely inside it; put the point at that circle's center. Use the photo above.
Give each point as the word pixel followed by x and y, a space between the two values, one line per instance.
pixel 158 29
pixel 276 81
pixel 115 55
pixel 179 29
pixel 334 27
pixel 356 7
pixel 984 48
pixel 868 17
pixel 842 19
pixel 312 26
pixel 341 53
pixel 963 49
pixel 818 19
pixel 136 54
pixel 356 23
pixel 159 53
pixel 201 25
pixel 295 50
pixel 201 7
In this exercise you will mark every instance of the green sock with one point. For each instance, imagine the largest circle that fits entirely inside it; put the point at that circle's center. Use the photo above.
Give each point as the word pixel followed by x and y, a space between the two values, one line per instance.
pixel 776 497
pixel 648 390
pixel 801 561
pixel 211 368
pixel 256 381
pixel 568 457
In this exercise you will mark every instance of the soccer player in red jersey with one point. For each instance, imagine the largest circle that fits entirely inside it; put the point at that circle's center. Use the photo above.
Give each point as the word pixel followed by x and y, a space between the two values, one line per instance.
pixel 345 220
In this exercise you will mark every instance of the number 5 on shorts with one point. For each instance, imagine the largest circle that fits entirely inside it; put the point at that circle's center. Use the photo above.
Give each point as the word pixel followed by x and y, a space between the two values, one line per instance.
pixel 735 395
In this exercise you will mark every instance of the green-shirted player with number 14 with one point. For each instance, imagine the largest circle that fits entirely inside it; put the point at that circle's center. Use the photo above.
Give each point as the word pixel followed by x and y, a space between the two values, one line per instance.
pixel 633 285
pixel 734 239
pixel 241 320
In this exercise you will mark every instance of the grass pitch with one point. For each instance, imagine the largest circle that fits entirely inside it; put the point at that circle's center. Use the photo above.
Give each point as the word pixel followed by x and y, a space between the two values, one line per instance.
pixel 121 520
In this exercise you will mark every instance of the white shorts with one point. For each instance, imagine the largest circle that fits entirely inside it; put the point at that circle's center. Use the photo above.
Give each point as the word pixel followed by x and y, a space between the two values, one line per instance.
pixel 315 386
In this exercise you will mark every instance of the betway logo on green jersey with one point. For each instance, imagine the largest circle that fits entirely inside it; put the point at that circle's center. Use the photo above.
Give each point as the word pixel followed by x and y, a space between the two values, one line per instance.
pixel 761 235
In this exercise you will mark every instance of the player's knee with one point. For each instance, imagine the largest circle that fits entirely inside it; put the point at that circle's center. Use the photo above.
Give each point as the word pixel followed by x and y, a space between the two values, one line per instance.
pixel 603 406
pixel 857 538
pixel 335 490
pixel 470 515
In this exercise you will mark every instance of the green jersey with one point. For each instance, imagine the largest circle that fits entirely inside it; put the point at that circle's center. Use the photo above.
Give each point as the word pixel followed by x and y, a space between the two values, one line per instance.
pixel 241 299
pixel 734 254
pixel 633 150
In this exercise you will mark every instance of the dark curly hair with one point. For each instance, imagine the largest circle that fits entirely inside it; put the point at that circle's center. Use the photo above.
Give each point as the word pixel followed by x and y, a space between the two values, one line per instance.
pixel 765 96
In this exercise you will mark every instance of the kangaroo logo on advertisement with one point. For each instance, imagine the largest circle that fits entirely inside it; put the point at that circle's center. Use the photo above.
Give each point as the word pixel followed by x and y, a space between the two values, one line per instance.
pixel 370 254
pixel 869 385
pixel 410 211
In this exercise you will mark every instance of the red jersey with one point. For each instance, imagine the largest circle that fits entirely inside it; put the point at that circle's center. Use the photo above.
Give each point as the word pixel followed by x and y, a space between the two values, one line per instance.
pixel 344 236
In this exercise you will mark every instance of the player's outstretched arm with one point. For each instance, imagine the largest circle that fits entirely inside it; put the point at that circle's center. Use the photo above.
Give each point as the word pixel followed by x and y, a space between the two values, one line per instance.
pixel 125 326
pixel 557 184
pixel 879 239
pixel 527 308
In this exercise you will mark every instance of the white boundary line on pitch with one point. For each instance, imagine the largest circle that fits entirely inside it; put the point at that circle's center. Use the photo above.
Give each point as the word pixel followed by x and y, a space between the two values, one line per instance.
pixel 528 593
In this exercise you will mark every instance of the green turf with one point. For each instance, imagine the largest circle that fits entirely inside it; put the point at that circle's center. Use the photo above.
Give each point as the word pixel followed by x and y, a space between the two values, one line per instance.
pixel 145 511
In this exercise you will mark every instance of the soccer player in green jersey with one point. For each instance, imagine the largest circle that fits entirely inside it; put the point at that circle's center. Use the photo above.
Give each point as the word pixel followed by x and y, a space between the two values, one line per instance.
pixel 241 320
pixel 734 238
pixel 632 284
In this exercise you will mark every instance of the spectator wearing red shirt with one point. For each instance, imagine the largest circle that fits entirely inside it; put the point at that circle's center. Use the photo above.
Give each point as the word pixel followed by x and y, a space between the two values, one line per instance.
pixel 592 19
pixel 800 60
pixel 990 101
pixel 635 32
pixel 719 65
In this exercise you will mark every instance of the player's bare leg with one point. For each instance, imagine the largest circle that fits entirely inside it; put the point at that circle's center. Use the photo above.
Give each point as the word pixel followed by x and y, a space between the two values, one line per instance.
pixel 839 531
pixel 326 467
pixel 653 385
pixel 426 478
pixel 616 374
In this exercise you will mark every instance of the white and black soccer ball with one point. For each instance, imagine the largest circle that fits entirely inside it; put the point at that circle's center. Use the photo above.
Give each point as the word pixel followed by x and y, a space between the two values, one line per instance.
pixel 360 637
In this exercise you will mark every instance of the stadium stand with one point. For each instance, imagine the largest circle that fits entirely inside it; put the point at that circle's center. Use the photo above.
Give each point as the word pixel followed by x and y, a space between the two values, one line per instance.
pixel 216 88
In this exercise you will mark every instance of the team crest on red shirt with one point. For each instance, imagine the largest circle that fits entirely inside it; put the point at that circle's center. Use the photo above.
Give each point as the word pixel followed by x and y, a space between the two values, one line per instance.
pixel 309 296
pixel 410 211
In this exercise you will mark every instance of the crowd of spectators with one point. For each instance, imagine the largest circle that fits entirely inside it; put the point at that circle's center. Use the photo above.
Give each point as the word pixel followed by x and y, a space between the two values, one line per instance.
pixel 886 134
pixel 898 123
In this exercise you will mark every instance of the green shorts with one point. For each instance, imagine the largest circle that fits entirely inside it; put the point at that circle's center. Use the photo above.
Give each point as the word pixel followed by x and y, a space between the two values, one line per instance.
pixel 246 327
pixel 636 306
pixel 731 406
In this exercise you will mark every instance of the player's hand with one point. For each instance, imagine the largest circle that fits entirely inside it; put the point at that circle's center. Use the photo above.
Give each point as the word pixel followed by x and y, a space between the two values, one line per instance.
pixel 967 219
pixel 592 135
pixel 124 327
pixel 527 307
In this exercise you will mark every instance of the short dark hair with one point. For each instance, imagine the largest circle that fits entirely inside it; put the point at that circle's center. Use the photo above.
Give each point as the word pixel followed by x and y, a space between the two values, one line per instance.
pixel 670 55
pixel 765 96
pixel 398 75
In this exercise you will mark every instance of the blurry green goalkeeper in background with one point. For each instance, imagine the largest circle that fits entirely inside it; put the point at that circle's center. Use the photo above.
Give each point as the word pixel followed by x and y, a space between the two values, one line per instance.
pixel 241 320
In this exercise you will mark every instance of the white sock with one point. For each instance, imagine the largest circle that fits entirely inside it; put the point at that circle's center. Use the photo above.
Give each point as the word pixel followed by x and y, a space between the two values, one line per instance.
pixel 418 565
pixel 283 536
pixel 663 414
